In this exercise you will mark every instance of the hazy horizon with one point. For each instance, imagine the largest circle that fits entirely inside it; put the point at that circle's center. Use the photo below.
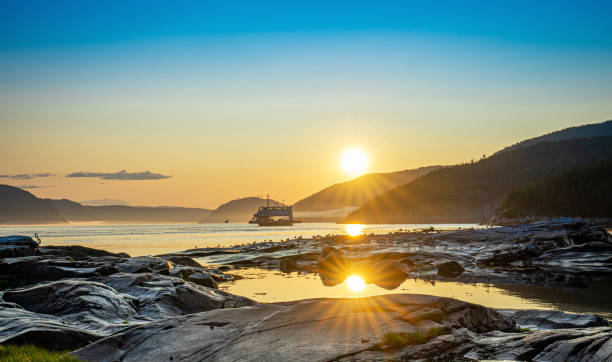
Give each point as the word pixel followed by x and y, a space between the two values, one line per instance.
pixel 204 102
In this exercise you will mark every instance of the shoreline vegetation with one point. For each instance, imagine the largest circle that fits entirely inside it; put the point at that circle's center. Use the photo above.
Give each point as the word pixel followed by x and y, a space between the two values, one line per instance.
pixel 169 306
pixel 31 353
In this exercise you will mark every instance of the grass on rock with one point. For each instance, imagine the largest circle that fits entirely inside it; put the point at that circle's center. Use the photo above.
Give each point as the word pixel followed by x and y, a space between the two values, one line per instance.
pixel 29 353
pixel 401 339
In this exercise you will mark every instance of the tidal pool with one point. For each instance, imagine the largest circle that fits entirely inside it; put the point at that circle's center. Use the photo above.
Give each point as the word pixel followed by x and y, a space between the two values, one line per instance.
pixel 268 286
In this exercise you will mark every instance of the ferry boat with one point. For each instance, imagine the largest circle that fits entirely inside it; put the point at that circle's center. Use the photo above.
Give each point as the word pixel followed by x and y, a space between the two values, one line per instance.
pixel 273 215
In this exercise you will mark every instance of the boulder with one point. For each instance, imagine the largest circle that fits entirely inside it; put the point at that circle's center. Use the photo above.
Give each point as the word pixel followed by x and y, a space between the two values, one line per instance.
pixel 333 266
pixel 161 296
pixel 553 319
pixel 203 279
pixel 144 264
pixel 388 274
pixel 450 269
pixel 33 269
pixel 288 265
pixel 77 252
pixel 181 260
pixel 16 246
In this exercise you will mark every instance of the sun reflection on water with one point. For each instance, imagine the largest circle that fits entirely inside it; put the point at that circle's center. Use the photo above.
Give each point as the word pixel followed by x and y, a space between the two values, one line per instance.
pixel 354 229
pixel 355 283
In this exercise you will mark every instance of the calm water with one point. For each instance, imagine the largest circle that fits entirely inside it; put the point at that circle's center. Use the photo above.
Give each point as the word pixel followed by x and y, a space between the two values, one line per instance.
pixel 273 286
pixel 138 240
pixel 268 286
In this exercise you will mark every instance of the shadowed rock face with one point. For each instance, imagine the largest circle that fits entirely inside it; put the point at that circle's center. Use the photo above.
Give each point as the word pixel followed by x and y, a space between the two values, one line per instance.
pixel 85 294
pixel 52 263
pixel 80 311
pixel 552 319
pixel 351 329
pixel 17 245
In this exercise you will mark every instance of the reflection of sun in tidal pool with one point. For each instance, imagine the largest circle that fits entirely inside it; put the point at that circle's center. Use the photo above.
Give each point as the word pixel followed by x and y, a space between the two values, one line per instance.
pixel 355 283
pixel 354 229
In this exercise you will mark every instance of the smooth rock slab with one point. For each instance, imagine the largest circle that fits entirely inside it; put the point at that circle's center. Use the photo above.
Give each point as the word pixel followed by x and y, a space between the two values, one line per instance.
pixel 71 313
pixel 316 329
pixel 162 296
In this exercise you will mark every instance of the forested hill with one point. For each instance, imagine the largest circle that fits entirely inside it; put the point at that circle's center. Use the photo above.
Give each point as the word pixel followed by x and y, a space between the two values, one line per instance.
pixel 74 211
pixel 589 130
pixel 18 206
pixel 469 191
pixel 356 192
pixel 580 191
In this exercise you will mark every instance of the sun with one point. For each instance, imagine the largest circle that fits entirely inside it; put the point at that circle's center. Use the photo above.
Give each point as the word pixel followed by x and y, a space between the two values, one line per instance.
pixel 354 161
pixel 355 283
pixel 354 229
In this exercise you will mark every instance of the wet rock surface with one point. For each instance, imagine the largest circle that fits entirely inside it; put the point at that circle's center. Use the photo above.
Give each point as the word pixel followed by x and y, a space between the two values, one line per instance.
pixel 95 307
pixel 167 307
pixel 50 263
pixel 450 269
pixel 351 329
pixel 17 245
pixel 67 297
pixel 564 252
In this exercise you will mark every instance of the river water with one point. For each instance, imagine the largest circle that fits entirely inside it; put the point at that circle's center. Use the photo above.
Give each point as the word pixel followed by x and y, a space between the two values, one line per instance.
pixel 138 240
pixel 273 286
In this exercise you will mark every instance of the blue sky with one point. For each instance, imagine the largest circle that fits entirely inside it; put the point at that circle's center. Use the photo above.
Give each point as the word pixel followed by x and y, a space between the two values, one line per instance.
pixel 212 93
pixel 60 23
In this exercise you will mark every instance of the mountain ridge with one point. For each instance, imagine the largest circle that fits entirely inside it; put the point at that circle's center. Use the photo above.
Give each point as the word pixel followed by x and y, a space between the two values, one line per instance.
pixel 355 192
pixel 18 206
pixel 585 131
pixel 75 211
pixel 469 192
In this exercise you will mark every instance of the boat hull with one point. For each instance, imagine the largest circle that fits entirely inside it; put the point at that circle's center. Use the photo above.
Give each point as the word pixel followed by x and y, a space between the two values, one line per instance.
pixel 275 223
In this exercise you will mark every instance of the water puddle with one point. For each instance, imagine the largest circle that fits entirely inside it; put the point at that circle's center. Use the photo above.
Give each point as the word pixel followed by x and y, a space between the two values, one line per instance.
pixel 268 286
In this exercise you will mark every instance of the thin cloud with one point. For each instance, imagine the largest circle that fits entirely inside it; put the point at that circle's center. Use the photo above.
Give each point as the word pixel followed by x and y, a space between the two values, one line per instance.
pixel 27 176
pixel 121 175
pixel 33 186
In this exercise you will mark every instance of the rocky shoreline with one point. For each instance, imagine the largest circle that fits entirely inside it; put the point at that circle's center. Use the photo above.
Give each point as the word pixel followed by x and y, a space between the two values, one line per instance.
pixel 109 307
pixel 565 252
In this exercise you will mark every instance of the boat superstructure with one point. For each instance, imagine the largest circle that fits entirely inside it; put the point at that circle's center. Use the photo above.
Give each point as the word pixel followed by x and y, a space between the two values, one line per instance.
pixel 278 215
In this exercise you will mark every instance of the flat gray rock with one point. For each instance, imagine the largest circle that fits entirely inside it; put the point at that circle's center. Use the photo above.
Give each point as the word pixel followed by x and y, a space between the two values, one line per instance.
pixel 318 329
